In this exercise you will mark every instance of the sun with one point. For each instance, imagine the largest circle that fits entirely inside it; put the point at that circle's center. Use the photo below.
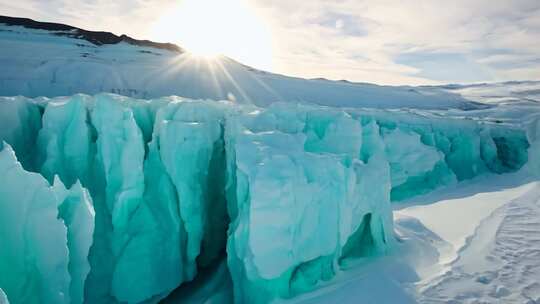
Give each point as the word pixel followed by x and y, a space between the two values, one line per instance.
pixel 209 28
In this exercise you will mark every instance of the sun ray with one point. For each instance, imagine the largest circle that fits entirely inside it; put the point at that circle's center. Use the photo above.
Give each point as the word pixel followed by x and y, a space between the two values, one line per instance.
pixel 234 83
pixel 215 82
pixel 209 28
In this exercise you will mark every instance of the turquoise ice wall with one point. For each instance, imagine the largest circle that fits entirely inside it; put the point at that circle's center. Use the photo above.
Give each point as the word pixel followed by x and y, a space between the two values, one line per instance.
pixel 135 196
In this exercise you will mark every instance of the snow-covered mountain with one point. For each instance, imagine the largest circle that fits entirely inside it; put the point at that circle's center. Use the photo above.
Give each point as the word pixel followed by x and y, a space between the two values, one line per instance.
pixel 48 59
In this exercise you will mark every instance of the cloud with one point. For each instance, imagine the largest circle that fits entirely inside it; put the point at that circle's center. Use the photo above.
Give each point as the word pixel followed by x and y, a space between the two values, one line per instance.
pixel 390 42
pixel 410 41
pixel 348 25
pixel 445 67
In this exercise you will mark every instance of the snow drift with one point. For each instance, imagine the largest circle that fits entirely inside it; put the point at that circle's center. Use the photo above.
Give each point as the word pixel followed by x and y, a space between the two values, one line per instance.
pixel 124 200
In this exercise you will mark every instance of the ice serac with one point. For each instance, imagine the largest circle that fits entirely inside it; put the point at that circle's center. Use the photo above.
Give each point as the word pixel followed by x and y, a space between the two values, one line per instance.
pixel 46 233
pixel 78 215
pixel 65 142
pixel 297 180
pixel 136 253
pixel 189 137
pixel 65 149
pixel 184 179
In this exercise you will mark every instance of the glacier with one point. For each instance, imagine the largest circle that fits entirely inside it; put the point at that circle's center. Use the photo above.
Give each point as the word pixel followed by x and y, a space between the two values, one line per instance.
pixel 122 200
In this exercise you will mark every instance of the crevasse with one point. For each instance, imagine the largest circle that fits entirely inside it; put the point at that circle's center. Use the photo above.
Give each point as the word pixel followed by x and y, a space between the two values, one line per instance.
pixel 122 200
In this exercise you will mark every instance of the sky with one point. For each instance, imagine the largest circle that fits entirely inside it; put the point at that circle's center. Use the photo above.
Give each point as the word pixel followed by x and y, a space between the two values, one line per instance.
pixel 385 42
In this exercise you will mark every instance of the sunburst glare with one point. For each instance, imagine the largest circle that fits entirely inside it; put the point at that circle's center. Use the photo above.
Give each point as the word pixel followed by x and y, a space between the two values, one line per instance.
pixel 209 28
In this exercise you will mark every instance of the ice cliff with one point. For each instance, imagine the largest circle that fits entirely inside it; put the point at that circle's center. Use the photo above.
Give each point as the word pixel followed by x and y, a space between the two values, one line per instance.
pixel 108 199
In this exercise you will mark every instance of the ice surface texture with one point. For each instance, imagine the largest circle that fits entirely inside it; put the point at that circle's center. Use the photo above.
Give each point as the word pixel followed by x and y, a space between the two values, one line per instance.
pixel 288 193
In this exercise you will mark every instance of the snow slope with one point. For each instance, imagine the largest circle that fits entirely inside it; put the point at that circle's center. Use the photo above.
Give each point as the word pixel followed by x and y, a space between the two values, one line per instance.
pixel 51 61
pixel 298 196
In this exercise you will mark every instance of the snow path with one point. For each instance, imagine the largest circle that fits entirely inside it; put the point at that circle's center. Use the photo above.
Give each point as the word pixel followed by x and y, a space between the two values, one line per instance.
pixel 499 264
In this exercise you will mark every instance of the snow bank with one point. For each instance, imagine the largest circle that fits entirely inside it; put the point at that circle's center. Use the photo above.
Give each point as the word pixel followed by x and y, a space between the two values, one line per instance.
pixel 288 193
